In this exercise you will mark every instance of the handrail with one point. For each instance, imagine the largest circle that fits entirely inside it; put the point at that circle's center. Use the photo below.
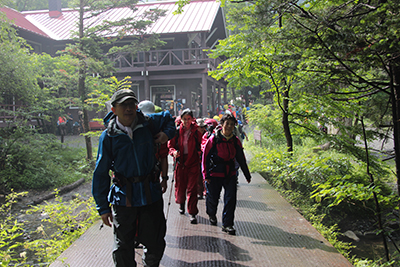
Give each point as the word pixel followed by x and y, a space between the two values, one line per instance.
pixel 6 109
pixel 168 57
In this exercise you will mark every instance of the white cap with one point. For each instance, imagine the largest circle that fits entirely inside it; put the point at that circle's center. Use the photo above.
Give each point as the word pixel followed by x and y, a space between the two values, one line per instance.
pixel 147 107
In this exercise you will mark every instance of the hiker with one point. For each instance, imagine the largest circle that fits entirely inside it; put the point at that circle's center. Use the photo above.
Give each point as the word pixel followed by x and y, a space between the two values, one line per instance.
pixel 218 166
pixel 147 107
pixel 185 148
pixel 200 186
pixel 61 124
pixel 127 148
pixel 210 128
pixel 241 133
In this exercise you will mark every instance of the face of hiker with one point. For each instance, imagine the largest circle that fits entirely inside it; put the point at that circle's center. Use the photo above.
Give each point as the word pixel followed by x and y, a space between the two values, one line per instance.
pixel 126 112
pixel 227 127
pixel 186 120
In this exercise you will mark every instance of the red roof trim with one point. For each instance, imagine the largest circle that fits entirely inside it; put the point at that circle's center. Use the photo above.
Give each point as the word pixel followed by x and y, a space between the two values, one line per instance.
pixel 198 16
pixel 20 21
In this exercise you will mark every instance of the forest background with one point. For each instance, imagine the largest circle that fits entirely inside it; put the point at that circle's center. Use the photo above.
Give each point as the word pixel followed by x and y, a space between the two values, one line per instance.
pixel 326 76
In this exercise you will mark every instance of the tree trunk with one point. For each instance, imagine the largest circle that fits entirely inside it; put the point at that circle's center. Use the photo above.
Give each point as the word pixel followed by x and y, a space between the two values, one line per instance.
pixel 88 140
pixel 285 121
pixel 395 91
pixel 285 115
pixel 81 87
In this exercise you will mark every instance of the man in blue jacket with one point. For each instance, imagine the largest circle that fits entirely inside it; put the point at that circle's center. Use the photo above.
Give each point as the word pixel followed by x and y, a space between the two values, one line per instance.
pixel 127 148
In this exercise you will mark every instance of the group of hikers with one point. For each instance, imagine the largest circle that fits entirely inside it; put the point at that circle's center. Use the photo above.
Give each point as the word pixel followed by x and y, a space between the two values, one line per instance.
pixel 67 126
pixel 133 154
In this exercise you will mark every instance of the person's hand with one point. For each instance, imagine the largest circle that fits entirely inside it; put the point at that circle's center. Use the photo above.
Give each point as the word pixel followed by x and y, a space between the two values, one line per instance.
pixel 164 185
pixel 176 154
pixel 247 139
pixel 161 138
pixel 248 180
pixel 208 180
pixel 107 218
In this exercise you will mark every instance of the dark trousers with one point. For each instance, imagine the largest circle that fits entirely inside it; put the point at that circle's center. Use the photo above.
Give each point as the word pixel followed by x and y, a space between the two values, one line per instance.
pixel 149 221
pixel 214 188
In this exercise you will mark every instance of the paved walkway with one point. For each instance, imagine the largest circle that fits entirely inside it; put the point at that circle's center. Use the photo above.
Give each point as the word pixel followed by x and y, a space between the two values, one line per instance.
pixel 270 232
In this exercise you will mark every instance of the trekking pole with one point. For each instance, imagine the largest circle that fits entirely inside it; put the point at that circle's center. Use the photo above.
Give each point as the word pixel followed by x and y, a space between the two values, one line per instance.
pixel 170 192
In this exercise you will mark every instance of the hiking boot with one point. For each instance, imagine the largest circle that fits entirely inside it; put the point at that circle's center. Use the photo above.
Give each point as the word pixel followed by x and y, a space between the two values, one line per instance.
pixel 182 208
pixel 193 219
pixel 229 229
pixel 213 219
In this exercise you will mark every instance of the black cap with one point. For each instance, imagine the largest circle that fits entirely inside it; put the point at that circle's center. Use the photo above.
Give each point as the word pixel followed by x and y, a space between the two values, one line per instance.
pixel 122 95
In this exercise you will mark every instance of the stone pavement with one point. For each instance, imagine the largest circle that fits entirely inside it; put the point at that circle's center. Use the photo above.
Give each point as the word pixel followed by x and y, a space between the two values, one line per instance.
pixel 269 232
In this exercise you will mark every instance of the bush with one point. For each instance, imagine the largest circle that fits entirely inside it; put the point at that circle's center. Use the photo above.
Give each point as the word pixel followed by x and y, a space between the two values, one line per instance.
pixel 10 232
pixel 64 223
pixel 37 161
pixel 326 186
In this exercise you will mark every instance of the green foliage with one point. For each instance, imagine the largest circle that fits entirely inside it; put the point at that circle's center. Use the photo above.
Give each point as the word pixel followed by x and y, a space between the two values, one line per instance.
pixel 37 161
pixel 326 61
pixel 103 93
pixel 59 78
pixel 355 186
pixel 331 233
pixel 17 71
pixel 328 176
pixel 96 46
pixel 322 184
pixel 372 263
pixel 10 232
pixel 267 119
pixel 65 222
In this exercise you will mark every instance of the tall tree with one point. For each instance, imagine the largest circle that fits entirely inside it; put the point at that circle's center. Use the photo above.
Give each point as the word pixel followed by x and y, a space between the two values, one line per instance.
pixel 17 72
pixel 351 54
pixel 95 44
pixel 344 54
pixel 256 55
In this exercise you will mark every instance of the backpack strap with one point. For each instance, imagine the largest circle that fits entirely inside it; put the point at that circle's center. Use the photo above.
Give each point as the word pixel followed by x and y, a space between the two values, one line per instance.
pixel 120 180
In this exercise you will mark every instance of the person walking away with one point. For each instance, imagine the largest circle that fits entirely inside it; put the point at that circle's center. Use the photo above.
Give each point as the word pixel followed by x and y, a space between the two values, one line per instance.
pixel 200 185
pixel 185 148
pixel 241 133
pixel 218 166
pixel 210 128
pixel 70 124
pixel 61 123
pixel 126 147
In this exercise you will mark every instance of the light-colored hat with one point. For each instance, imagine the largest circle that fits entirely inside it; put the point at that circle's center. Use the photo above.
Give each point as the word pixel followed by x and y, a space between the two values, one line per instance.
pixel 200 122
pixel 147 107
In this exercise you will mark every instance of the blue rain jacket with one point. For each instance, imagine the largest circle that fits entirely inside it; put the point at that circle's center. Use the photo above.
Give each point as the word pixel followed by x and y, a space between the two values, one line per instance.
pixel 129 157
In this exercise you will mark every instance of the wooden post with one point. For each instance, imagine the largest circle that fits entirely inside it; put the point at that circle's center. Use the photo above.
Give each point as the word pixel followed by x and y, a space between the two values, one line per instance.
pixel 257 136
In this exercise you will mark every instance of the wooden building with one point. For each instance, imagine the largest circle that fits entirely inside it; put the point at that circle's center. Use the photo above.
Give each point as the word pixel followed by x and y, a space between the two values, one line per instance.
pixel 171 77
